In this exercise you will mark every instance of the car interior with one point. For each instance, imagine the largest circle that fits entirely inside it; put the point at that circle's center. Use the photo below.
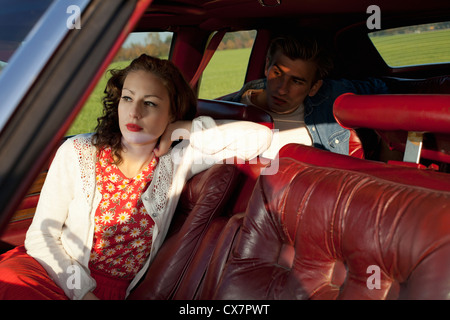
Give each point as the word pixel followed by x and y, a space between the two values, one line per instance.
pixel 315 227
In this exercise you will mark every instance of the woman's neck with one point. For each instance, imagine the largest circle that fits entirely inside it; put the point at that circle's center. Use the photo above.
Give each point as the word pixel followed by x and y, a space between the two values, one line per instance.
pixel 135 158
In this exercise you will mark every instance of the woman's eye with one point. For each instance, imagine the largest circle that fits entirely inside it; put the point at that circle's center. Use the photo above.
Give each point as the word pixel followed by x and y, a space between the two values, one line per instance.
pixel 150 103
pixel 126 98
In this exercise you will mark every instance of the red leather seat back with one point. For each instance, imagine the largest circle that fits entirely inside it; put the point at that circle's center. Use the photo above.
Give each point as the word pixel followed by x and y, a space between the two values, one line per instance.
pixel 202 201
pixel 355 147
pixel 218 109
pixel 326 233
pixel 411 176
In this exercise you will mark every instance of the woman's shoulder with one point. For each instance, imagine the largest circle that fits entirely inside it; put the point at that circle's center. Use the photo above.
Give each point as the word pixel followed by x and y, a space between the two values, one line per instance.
pixel 77 145
pixel 79 141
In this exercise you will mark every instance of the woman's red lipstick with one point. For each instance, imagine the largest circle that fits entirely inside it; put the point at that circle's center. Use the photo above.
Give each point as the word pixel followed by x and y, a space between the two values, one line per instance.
pixel 133 127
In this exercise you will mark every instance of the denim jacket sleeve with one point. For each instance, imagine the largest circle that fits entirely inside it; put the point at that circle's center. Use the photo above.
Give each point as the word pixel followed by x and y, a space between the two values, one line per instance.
pixel 326 133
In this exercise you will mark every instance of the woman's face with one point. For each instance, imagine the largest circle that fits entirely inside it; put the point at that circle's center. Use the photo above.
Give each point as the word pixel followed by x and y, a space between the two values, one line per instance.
pixel 144 109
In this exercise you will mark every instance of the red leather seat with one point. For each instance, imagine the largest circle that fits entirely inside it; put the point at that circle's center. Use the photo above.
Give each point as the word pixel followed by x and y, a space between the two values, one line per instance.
pixel 218 109
pixel 325 226
pixel 192 232
pixel 405 175
pixel 314 232
pixel 178 269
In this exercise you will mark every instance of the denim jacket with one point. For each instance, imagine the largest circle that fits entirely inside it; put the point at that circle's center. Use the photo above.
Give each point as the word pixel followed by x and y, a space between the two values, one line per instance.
pixel 325 132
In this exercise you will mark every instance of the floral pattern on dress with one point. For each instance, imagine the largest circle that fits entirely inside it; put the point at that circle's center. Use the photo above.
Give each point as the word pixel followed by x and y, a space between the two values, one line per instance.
pixel 123 229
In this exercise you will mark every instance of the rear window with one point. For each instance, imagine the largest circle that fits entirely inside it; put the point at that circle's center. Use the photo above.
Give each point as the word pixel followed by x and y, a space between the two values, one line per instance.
pixel 226 71
pixel 414 45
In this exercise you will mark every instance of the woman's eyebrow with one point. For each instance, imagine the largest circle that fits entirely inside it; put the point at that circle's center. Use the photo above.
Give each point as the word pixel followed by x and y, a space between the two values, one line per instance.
pixel 146 96
pixel 153 95
pixel 131 91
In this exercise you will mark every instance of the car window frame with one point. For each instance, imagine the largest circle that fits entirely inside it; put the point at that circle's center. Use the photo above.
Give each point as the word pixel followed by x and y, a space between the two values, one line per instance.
pixel 44 111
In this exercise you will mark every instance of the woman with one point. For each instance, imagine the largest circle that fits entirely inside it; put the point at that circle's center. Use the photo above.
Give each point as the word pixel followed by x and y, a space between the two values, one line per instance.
pixel 108 198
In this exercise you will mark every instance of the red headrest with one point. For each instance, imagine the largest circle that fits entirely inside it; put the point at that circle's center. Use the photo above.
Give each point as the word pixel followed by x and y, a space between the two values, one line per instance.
pixel 423 113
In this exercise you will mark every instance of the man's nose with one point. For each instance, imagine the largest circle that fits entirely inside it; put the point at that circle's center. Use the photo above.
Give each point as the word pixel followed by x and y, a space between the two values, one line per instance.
pixel 283 85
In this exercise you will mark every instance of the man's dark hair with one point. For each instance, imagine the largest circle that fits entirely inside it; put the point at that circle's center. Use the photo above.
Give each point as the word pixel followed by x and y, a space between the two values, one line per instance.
pixel 303 46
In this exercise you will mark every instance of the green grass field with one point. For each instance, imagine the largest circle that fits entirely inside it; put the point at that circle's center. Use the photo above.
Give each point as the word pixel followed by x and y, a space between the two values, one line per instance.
pixel 408 49
pixel 86 120
pixel 226 70
pixel 225 73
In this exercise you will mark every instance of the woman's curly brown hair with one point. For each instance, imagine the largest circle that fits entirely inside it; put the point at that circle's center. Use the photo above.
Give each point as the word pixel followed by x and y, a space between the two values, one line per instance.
pixel 182 99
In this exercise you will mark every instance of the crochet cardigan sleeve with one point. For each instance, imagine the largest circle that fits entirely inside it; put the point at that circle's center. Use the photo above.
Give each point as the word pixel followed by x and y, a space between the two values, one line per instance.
pixel 56 237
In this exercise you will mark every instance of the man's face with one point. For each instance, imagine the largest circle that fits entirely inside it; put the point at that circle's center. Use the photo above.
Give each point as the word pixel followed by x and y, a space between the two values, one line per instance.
pixel 289 82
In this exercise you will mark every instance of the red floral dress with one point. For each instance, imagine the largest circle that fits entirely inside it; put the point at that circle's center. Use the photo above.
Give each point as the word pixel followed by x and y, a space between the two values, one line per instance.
pixel 123 229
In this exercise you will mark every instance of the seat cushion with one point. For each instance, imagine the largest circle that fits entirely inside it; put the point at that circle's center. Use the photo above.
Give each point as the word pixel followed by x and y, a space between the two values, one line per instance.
pixel 325 233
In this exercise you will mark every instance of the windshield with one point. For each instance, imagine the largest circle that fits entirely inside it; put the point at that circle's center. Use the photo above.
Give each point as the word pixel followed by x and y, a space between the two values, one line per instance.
pixel 17 18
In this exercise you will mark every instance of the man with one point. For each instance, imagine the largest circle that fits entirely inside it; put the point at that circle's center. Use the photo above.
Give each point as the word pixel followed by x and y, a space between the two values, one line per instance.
pixel 299 98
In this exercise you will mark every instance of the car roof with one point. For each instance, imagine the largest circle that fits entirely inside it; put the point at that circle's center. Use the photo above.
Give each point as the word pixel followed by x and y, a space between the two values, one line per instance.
pixel 214 14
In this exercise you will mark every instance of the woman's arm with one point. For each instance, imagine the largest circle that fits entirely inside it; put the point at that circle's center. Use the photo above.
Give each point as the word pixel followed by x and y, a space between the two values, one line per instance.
pixel 212 141
pixel 219 139
pixel 222 139
pixel 177 130
pixel 44 237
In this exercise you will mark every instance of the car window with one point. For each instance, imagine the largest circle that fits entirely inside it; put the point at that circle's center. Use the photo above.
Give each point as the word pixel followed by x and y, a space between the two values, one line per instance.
pixel 226 71
pixel 17 19
pixel 414 45
pixel 153 43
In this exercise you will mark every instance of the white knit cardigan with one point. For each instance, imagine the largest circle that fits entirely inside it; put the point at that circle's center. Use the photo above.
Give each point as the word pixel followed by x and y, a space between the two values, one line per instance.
pixel 61 234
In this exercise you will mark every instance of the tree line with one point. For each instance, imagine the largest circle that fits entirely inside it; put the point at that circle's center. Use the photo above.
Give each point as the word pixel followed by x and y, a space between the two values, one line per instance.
pixel 154 45
pixel 413 29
